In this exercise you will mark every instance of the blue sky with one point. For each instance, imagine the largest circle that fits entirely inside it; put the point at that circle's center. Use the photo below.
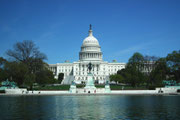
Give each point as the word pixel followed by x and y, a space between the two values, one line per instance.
pixel 122 27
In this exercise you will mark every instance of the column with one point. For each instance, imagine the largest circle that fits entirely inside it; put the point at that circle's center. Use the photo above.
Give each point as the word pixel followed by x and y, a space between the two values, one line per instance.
pixel 95 67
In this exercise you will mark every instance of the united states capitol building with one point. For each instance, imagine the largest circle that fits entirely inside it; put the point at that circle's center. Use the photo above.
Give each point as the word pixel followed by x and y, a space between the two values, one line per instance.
pixel 90 53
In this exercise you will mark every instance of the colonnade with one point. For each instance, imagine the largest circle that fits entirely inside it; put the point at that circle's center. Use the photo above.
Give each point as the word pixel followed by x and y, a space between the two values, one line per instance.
pixel 90 55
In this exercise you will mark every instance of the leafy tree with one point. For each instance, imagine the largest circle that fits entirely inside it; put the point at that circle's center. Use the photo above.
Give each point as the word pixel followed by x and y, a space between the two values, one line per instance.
pixel 149 66
pixel 173 62
pixel 16 71
pixel 159 73
pixel 117 78
pixel 60 77
pixel 3 74
pixel 136 61
pixel 45 77
pixel 149 63
pixel 2 62
pixel 29 80
pixel 121 72
pixel 132 75
pixel 134 69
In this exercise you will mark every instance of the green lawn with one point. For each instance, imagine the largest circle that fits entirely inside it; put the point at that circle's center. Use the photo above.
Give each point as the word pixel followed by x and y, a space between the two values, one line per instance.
pixel 2 91
pixel 113 87
pixel 119 87
pixel 82 86
pixel 62 87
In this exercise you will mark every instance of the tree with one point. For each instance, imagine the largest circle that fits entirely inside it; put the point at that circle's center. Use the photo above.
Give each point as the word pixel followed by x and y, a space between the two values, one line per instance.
pixel 28 66
pixel 136 61
pixel 149 66
pixel 16 71
pixel 149 63
pixel 3 74
pixel 117 78
pixel 121 72
pixel 159 73
pixel 45 77
pixel 2 62
pixel 29 80
pixel 173 62
pixel 134 69
pixel 60 77
pixel 27 53
pixel 132 75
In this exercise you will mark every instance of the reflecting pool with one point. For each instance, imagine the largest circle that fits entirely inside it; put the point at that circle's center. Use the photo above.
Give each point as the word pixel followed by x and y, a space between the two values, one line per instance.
pixel 93 107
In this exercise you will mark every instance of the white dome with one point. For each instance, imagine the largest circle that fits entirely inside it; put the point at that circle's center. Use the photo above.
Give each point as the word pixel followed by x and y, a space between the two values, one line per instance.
pixel 90 49
pixel 90 41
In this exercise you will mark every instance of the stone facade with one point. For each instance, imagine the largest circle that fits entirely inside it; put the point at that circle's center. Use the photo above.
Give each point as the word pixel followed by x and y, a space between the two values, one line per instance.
pixel 90 52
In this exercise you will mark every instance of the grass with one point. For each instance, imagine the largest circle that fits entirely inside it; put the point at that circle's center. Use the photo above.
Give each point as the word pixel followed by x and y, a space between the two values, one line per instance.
pixel 2 91
pixel 80 86
pixel 113 87
pixel 61 87
pixel 119 87
pixel 97 86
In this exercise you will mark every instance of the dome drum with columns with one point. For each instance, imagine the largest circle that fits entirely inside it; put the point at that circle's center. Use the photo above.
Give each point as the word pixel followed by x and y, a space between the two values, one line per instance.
pixel 90 49
pixel 90 52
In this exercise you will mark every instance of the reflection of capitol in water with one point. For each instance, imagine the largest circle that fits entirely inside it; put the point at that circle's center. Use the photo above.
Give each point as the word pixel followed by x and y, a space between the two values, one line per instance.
pixel 90 52
pixel 90 107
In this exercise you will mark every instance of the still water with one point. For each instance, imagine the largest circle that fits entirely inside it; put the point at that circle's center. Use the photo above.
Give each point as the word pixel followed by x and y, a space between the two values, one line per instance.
pixel 103 107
